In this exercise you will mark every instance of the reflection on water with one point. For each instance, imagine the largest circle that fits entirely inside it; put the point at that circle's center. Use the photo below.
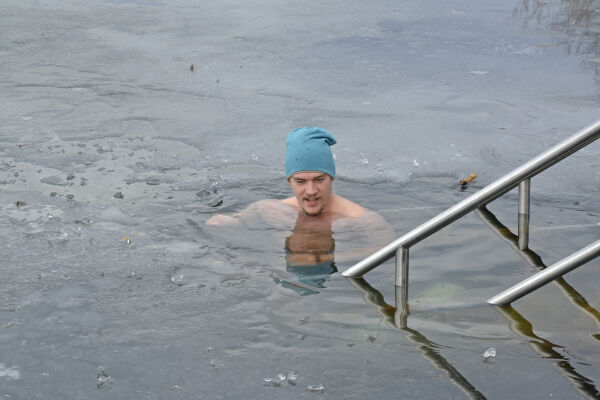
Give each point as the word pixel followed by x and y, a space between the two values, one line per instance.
pixel 396 317
pixel 523 327
pixel 536 261
pixel 579 21
pixel 309 255
pixel 545 348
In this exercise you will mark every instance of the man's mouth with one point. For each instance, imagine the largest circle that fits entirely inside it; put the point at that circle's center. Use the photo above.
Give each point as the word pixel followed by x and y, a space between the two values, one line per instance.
pixel 311 202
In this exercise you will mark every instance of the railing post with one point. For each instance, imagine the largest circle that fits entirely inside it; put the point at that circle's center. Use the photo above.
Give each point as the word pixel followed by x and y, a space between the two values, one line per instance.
pixel 402 266
pixel 401 286
pixel 401 315
pixel 523 232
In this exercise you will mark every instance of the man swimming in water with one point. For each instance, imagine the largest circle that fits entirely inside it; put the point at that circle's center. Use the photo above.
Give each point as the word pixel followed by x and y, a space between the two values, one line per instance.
pixel 310 171
pixel 315 214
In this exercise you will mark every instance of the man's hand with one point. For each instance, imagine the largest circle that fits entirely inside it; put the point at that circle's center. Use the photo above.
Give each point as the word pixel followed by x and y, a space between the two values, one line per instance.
pixel 222 219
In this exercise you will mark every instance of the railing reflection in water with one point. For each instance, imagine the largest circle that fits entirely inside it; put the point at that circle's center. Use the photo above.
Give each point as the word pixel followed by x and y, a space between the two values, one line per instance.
pixel 397 317
pixel 523 327
pixel 536 261
pixel 546 349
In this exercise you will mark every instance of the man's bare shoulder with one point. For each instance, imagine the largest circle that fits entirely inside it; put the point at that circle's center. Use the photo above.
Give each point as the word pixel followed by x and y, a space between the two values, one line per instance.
pixel 348 208
pixel 290 201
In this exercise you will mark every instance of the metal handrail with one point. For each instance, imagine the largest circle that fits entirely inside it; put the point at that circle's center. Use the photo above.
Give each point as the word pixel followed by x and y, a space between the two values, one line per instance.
pixel 400 246
pixel 532 283
pixel 536 261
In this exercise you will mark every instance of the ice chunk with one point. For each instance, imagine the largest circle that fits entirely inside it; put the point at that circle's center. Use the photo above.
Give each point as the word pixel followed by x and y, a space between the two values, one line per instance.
pixel 316 388
pixel 271 382
pixel 103 380
pixel 489 354
pixel 9 373
pixel 115 214
pixel 292 378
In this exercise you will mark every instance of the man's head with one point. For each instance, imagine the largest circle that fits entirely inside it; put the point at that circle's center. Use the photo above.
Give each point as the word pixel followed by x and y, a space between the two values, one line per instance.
pixel 310 168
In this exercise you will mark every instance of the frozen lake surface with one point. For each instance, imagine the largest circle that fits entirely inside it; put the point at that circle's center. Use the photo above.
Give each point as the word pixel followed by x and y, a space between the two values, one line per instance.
pixel 114 151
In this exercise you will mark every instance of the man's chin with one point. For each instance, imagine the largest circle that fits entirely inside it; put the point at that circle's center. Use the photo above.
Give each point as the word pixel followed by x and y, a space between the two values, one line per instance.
pixel 312 212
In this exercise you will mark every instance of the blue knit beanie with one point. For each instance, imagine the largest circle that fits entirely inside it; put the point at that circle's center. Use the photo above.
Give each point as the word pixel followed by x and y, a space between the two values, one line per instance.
pixel 308 150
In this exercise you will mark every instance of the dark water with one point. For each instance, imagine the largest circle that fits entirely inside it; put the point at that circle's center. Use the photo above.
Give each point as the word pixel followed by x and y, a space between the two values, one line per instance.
pixel 113 153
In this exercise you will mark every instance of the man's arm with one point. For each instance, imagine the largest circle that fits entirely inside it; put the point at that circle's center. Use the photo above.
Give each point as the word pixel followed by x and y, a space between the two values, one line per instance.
pixel 273 211
pixel 224 219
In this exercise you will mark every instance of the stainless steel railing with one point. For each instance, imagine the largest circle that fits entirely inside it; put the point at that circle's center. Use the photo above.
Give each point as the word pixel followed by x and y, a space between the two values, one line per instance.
pixel 554 271
pixel 518 177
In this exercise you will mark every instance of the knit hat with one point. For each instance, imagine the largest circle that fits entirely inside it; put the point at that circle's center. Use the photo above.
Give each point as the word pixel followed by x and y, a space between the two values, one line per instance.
pixel 308 150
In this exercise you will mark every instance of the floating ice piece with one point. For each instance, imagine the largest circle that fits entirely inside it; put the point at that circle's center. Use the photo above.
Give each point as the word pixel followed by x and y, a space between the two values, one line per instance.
pixel 479 72
pixel 103 379
pixel 9 373
pixel 272 382
pixel 152 181
pixel 211 197
pixel 316 388
pixel 57 238
pixel 292 378
pixel 275 381
pixel 489 354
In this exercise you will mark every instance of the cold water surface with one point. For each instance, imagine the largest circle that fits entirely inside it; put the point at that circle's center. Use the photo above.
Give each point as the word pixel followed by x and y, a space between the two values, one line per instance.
pixel 173 308
pixel 114 151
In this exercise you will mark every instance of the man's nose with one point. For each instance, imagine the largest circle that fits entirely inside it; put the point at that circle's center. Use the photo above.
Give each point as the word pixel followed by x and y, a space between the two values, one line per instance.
pixel 311 188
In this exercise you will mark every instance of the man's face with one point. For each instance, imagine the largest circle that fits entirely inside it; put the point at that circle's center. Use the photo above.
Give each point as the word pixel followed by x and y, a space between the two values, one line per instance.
pixel 312 190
